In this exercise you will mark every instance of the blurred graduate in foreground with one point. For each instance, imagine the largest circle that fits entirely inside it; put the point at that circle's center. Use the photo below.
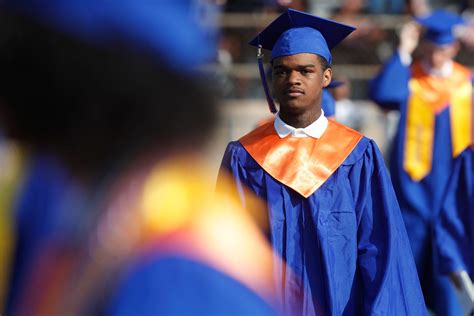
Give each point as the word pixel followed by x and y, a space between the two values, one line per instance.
pixel 115 215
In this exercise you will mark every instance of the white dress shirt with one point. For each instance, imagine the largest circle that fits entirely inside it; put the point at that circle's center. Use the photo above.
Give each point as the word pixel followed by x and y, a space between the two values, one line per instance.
pixel 315 129
pixel 445 71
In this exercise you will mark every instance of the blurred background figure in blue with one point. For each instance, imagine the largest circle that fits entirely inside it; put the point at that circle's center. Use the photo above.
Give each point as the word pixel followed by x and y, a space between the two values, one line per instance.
pixel 454 230
pixel 115 213
pixel 434 97
pixel 328 103
pixel 347 112
pixel 11 160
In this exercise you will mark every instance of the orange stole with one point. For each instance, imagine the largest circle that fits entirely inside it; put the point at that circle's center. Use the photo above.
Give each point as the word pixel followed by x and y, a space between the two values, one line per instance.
pixel 302 164
pixel 428 96
pixel 182 215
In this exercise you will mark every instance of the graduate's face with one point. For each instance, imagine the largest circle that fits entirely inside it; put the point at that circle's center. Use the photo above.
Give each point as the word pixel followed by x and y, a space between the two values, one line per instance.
pixel 438 55
pixel 298 81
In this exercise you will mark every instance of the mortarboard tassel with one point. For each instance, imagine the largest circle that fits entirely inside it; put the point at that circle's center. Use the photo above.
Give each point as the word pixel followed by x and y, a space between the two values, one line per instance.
pixel 271 104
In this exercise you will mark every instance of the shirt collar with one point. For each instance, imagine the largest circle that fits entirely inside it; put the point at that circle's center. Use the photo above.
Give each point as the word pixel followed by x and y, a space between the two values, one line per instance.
pixel 315 129
pixel 445 71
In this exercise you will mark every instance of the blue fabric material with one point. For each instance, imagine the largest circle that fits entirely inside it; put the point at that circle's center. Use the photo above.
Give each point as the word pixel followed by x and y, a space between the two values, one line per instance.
pixel 295 32
pixel 328 103
pixel 178 286
pixel 389 93
pixel 41 219
pixel 165 28
pixel 346 243
pixel 454 229
pixel 439 26
pixel 50 216
pixel 421 201
pixel 301 40
pixel 335 83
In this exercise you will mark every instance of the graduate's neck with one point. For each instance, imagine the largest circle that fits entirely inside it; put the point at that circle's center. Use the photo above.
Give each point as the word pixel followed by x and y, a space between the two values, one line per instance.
pixel 300 120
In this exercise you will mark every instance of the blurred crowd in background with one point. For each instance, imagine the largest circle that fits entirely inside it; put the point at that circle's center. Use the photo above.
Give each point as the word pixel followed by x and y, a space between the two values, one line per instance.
pixel 377 25
pixel 355 62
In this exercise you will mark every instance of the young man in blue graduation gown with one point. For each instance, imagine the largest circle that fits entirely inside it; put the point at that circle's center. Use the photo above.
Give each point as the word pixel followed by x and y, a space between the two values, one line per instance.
pixel 333 215
pixel 433 96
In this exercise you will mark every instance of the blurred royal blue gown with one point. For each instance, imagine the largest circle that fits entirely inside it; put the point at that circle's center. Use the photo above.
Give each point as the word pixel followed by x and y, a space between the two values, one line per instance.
pixel 55 223
pixel 328 103
pixel 454 229
pixel 421 199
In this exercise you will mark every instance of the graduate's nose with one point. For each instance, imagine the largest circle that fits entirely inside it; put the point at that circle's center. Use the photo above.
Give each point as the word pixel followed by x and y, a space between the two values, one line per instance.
pixel 294 78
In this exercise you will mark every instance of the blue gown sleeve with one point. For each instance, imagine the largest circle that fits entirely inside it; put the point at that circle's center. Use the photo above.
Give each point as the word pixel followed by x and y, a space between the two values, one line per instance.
pixel 228 170
pixel 454 228
pixel 385 259
pixel 389 88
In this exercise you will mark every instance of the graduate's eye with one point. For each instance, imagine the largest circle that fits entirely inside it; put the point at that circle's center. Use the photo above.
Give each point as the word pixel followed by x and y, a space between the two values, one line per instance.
pixel 280 71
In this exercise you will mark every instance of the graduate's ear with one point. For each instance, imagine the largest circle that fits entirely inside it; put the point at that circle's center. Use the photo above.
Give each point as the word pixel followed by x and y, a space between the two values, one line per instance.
pixel 327 76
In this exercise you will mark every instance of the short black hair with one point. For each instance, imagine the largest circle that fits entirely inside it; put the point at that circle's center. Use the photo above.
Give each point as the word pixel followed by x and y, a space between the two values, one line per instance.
pixel 324 63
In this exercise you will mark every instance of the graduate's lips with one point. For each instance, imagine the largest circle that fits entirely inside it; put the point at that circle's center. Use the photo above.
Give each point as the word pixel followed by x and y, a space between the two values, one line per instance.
pixel 294 92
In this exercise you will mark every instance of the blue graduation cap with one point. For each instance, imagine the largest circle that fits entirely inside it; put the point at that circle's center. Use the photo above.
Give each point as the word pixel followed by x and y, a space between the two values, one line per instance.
pixel 166 29
pixel 439 26
pixel 296 32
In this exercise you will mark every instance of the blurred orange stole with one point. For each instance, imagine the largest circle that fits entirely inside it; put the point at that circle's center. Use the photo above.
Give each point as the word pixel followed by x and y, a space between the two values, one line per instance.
pixel 429 96
pixel 302 164
pixel 183 216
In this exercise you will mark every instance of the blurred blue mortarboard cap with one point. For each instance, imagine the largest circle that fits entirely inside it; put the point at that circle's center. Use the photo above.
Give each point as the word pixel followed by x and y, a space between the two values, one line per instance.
pixel 168 29
pixel 296 32
pixel 439 26
pixel 334 84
